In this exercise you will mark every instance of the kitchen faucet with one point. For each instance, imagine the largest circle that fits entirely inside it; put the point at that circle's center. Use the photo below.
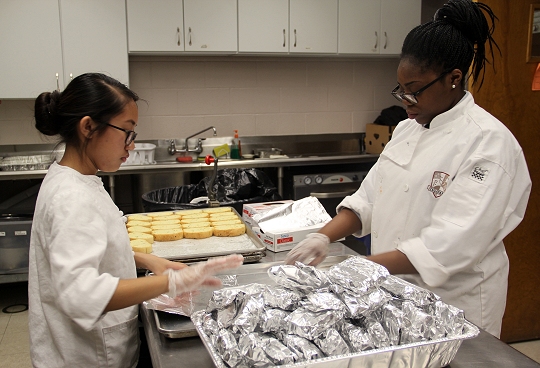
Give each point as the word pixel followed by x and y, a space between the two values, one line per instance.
pixel 197 149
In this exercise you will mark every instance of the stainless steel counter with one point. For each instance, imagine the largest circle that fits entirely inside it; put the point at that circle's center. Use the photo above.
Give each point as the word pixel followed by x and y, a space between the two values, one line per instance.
pixel 484 351
pixel 201 166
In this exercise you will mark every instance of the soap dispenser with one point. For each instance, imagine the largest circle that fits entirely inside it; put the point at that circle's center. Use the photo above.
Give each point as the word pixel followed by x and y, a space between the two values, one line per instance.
pixel 236 148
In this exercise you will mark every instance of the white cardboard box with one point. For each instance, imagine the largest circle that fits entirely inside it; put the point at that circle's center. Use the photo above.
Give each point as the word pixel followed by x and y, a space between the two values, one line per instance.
pixel 251 209
pixel 285 240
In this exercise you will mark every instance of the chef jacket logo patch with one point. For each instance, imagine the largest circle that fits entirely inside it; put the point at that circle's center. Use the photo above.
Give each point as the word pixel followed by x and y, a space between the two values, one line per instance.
pixel 479 174
pixel 439 182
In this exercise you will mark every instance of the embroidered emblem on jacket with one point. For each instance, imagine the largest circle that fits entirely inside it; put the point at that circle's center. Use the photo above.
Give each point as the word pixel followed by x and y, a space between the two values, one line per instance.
pixel 439 182
pixel 479 174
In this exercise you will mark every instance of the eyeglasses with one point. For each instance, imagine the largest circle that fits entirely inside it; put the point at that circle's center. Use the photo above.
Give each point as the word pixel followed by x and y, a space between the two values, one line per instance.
pixel 130 134
pixel 411 97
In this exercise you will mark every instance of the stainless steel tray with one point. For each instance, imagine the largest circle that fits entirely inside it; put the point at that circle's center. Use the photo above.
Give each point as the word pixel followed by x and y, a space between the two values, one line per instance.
pixel 194 250
pixel 176 326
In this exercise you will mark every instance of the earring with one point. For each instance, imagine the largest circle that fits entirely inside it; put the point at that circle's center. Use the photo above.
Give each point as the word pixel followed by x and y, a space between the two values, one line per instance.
pixel 453 86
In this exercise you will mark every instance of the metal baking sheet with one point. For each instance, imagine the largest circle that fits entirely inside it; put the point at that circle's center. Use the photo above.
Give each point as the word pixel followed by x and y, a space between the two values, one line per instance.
pixel 177 326
pixel 194 250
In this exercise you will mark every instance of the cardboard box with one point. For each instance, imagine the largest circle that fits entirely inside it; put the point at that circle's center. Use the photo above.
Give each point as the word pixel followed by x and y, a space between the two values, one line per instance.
pixel 285 240
pixel 251 209
pixel 377 136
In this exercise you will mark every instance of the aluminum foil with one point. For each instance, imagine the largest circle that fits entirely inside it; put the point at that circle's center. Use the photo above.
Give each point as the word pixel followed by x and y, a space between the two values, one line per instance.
pixel 298 214
pixel 353 308
pixel 300 277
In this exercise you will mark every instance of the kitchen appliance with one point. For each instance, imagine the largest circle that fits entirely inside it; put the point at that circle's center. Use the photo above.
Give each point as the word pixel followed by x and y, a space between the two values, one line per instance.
pixel 14 247
pixel 329 189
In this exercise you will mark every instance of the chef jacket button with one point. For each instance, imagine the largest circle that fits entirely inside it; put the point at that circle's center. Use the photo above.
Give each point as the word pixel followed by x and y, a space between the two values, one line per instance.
pixel 405 188
pixel 375 234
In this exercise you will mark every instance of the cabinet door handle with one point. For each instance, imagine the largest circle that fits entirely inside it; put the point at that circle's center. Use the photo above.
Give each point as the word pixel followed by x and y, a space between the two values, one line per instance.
pixel 178 34
pixel 376 41
pixel 70 76
pixel 385 40
pixel 189 36
pixel 295 38
pixel 57 83
pixel 283 37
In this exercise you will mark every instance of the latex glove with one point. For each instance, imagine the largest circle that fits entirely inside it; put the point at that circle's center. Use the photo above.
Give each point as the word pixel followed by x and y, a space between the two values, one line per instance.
pixel 201 274
pixel 314 248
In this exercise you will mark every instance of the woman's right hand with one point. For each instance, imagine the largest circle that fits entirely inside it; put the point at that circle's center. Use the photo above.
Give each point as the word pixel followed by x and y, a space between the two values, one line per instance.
pixel 201 274
pixel 314 248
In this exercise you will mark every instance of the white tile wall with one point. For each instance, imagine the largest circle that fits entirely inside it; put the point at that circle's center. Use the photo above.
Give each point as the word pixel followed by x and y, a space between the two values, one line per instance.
pixel 256 95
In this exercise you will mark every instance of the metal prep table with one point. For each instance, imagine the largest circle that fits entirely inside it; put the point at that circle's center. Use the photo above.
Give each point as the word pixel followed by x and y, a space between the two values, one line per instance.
pixel 484 351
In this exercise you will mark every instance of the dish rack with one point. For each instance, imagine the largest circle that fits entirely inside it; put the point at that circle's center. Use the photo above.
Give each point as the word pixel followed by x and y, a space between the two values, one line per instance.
pixel 143 154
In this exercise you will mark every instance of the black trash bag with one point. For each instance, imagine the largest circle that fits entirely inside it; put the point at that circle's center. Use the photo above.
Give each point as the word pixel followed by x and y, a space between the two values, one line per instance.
pixel 391 116
pixel 234 187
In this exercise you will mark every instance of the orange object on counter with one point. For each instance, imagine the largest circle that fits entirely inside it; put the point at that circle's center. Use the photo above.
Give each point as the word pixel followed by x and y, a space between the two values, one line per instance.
pixel 184 159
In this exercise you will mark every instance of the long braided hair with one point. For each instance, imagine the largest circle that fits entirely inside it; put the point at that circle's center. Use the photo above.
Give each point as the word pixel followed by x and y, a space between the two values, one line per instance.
pixel 454 39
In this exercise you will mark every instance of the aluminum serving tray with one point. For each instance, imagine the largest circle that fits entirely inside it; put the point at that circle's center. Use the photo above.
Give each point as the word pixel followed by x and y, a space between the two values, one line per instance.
pixel 429 354
pixel 176 326
pixel 195 250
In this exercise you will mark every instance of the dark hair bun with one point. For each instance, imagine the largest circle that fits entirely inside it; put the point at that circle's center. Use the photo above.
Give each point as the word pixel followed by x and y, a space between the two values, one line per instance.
pixel 45 112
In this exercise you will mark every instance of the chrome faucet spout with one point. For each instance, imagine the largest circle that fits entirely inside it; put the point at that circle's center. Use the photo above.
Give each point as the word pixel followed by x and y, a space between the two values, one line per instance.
pixel 196 134
pixel 198 149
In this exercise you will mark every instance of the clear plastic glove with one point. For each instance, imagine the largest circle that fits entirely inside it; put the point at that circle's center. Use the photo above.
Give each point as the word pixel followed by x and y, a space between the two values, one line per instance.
pixel 313 249
pixel 202 274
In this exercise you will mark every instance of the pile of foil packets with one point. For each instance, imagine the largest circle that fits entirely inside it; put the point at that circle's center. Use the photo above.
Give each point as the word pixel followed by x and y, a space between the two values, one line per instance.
pixel 309 314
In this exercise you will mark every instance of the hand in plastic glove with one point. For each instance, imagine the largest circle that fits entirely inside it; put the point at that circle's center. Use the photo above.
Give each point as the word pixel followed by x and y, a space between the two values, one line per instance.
pixel 192 277
pixel 313 248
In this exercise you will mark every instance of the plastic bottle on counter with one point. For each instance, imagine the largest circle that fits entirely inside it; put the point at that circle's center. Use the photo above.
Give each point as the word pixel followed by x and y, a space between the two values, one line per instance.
pixel 236 148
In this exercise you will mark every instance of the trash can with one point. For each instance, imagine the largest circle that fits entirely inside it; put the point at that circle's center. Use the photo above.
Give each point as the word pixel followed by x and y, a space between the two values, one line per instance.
pixel 233 187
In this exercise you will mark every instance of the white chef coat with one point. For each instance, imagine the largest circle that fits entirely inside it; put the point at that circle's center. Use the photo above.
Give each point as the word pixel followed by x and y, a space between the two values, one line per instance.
pixel 79 249
pixel 446 197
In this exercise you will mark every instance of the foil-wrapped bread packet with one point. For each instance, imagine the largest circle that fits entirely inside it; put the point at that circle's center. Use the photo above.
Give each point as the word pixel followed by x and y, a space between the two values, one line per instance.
pixel 403 290
pixel 262 350
pixel 450 318
pixel 317 302
pixel 358 274
pixel 274 320
pixel 248 313
pixel 420 325
pixel 304 323
pixel 361 304
pixel 283 298
pixel 299 276
pixel 228 348
pixel 303 348
pixel 331 343
pixel 358 338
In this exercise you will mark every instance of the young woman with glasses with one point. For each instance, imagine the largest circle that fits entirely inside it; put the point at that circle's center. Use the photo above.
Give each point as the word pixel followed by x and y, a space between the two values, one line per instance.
pixel 451 183
pixel 83 288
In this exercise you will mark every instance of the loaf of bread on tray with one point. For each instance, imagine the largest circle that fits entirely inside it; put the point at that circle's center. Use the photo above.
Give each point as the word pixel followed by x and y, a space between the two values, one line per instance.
pixel 139 229
pixel 144 236
pixel 198 232
pixel 168 234
pixel 139 217
pixel 140 245
pixel 230 230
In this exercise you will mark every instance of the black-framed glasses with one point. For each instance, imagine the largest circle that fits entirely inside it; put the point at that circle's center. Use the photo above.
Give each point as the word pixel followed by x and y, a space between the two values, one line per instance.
pixel 130 134
pixel 411 97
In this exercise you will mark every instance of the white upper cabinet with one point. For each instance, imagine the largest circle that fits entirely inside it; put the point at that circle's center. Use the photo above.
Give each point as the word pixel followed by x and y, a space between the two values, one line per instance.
pixel 30 57
pixel 44 43
pixel 210 26
pixel 313 26
pixel 376 26
pixel 263 26
pixel 94 38
pixel 155 26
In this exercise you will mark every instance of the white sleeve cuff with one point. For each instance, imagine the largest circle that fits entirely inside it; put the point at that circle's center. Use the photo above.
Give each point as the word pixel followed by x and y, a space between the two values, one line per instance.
pixel 432 272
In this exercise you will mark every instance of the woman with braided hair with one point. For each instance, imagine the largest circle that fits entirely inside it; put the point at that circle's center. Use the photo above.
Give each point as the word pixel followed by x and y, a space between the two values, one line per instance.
pixel 451 183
